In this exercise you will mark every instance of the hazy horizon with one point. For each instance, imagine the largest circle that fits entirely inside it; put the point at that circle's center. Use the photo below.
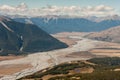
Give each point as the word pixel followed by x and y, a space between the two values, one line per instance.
pixel 63 7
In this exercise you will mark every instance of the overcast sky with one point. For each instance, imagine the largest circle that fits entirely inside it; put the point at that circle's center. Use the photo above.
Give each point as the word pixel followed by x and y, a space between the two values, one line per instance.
pixel 60 7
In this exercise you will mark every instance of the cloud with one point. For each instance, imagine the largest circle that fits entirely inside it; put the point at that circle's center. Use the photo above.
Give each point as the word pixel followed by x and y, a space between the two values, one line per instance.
pixel 23 9
pixel 20 9
pixel 100 10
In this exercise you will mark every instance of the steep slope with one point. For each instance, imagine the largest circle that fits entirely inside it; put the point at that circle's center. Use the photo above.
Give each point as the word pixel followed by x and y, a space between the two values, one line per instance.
pixel 17 38
pixel 111 35
pixel 68 24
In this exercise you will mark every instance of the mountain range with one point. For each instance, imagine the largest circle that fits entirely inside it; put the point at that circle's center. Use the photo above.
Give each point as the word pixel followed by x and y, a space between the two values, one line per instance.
pixel 21 34
pixel 23 38
pixel 56 24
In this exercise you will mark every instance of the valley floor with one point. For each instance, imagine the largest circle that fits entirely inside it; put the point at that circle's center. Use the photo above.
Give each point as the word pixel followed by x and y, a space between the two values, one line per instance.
pixel 80 49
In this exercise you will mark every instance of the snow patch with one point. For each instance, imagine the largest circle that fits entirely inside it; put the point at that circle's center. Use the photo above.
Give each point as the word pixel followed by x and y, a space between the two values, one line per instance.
pixel 1 50
pixel 21 48
pixel 6 26
pixel 28 21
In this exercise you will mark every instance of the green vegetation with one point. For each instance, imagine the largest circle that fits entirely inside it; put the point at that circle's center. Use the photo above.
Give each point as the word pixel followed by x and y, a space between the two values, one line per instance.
pixel 59 69
pixel 108 61
pixel 105 64
pixel 64 68
pixel 103 70
pixel 106 75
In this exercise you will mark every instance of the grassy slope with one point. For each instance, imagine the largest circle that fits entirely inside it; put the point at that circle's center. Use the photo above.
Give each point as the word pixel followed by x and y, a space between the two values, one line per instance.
pixel 103 70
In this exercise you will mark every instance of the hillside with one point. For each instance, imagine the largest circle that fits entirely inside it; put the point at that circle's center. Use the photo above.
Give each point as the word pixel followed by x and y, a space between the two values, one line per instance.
pixel 106 68
pixel 110 35
pixel 19 38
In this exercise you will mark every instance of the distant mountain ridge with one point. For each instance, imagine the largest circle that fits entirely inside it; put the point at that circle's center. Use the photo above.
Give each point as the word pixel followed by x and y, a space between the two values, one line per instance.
pixel 56 24
pixel 20 38
pixel 99 19
pixel 110 35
